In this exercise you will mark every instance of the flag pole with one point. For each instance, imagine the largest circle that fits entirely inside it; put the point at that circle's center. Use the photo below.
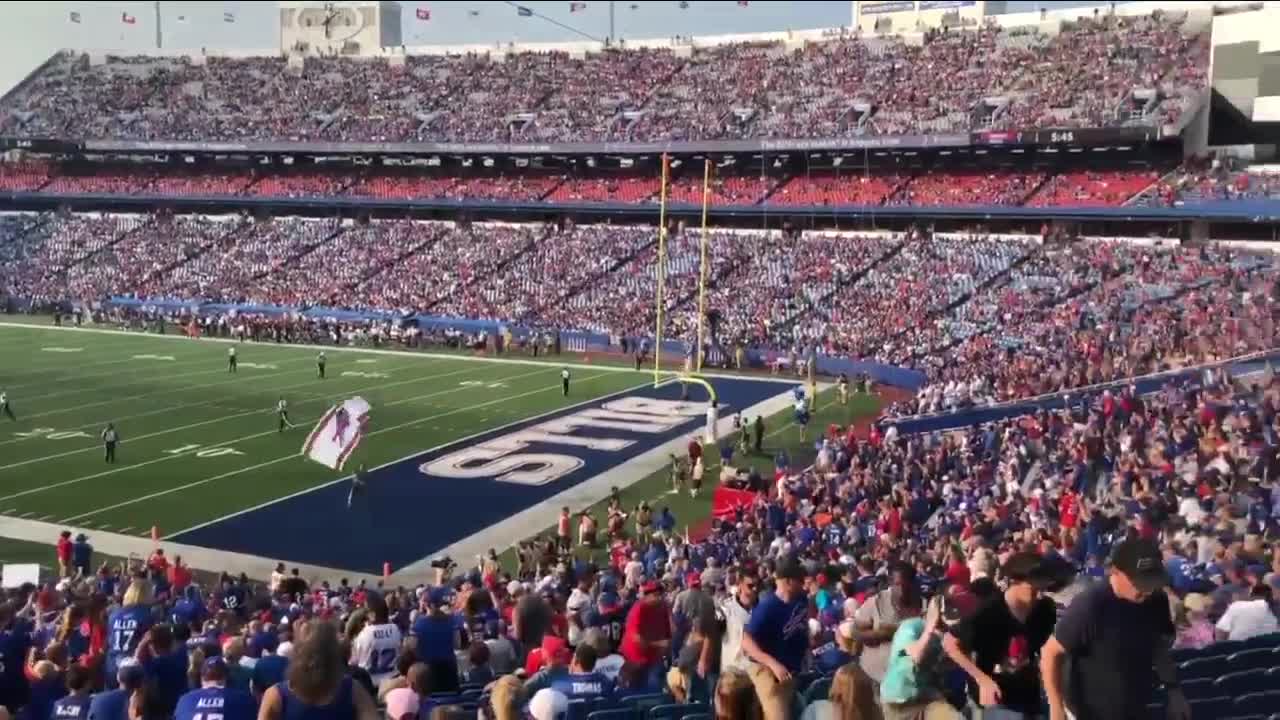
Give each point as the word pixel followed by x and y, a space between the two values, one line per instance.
pixel 662 271
pixel 702 269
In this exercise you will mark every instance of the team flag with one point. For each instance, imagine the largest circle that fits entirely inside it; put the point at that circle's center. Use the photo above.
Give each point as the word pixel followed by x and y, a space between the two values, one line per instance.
pixel 128 19
pixel 423 13
pixel 576 6
pixel 338 433
pixel 75 17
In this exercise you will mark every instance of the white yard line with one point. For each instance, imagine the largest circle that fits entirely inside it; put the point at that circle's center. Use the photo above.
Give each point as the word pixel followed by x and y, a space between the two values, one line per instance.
pixel 446 444
pixel 163 378
pixel 71 367
pixel 73 481
pixel 294 456
pixel 230 417
pixel 403 353
pixel 173 408
pixel 232 380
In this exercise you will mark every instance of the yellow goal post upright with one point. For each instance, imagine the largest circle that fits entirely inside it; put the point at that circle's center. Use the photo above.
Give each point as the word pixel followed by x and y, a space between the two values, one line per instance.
pixel 692 375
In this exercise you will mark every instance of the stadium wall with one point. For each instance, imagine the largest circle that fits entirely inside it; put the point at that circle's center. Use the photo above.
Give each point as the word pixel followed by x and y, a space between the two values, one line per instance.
pixel 1243 365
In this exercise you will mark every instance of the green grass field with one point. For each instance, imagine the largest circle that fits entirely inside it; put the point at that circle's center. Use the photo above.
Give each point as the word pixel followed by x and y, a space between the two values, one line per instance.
pixel 199 443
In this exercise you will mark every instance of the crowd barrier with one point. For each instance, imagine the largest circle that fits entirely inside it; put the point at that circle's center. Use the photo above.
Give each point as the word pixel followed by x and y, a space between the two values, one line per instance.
pixel 1236 366
pixel 572 341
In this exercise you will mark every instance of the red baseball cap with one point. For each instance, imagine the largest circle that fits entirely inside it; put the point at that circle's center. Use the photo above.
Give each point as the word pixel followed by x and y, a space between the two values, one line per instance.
pixel 650 586
pixel 693 580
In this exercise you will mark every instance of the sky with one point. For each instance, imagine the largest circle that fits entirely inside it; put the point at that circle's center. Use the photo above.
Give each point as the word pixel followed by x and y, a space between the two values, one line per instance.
pixel 37 29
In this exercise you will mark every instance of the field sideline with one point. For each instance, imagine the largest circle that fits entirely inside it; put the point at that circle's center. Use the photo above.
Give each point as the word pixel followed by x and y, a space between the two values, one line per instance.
pixel 192 433
pixel 200 445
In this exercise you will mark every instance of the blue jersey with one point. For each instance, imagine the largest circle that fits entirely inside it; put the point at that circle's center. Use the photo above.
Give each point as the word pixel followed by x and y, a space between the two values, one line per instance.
pixel 71 707
pixel 583 686
pixel 610 624
pixel 110 705
pixel 436 637
pixel 13 656
pixel 212 703
pixel 125 629
pixel 169 673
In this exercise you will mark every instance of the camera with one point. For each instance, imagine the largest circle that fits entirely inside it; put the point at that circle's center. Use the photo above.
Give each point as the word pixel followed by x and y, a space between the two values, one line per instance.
pixel 444 563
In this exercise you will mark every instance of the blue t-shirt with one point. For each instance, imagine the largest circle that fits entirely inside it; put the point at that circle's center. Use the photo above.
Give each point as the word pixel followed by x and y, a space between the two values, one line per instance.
pixel 13 655
pixel 169 673
pixel 781 629
pixel 216 702
pixel 268 671
pixel 435 638
pixel 71 707
pixel 110 705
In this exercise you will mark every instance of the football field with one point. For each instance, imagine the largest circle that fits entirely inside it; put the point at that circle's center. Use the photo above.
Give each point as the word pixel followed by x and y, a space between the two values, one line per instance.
pixel 202 460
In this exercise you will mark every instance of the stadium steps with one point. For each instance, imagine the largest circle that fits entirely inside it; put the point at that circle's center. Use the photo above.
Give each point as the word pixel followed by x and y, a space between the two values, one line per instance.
pixel 203 249
pixel 778 185
pixel 594 281
pixel 432 240
pixel 1148 192
pixel 151 220
pixel 999 279
pixel 292 258
pixel 543 197
pixel 853 279
pixel 898 189
pixel 1026 197
pixel 497 269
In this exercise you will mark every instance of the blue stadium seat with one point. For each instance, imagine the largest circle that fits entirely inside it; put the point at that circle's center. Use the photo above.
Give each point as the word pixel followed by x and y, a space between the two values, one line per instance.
pixel 642 703
pixel 1196 688
pixel 1214 707
pixel 471 694
pixel 676 712
pixel 1242 683
pixel 816 691
pixel 615 714
pixel 1259 703
pixel 1263 641
pixel 1255 659
pixel 1209 666
pixel 579 709
pixel 467 687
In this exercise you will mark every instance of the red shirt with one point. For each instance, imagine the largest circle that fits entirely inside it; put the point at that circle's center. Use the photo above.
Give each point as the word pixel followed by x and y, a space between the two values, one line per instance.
pixel 179 577
pixel 64 550
pixel 695 450
pixel 158 562
pixel 646 623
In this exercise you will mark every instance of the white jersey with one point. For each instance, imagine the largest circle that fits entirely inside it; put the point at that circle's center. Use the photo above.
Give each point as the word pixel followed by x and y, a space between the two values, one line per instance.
pixel 564 374
pixel 282 406
pixel 4 399
pixel 375 649
pixel 231 352
pixel 713 416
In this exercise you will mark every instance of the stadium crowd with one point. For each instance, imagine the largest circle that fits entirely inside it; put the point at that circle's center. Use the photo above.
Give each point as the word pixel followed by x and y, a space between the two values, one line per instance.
pixel 897 576
pixel 1083 75
pixel 935 187
pixel 987 318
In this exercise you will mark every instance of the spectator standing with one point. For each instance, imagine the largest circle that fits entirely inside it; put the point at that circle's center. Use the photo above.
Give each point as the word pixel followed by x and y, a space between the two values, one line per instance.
pixel 646 637
pixel 214 697
pixel 82 555
pixel 64 553
pixel 1113 633
pixel 877 619
pixel 776 638
pixel 317 686
pixel 438 637
pixel 1247 618
pixel 997 646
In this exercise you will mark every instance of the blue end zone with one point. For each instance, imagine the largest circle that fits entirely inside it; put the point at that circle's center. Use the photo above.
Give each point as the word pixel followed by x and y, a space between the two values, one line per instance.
pixel 407 515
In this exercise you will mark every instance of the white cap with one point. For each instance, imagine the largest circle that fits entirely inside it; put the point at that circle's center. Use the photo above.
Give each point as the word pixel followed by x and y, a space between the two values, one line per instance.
pixel 285 649
pixel 548 704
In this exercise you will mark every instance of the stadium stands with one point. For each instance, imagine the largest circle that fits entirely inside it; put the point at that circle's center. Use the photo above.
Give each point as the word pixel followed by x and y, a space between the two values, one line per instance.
pixel 1047 187
pixel 1079 77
